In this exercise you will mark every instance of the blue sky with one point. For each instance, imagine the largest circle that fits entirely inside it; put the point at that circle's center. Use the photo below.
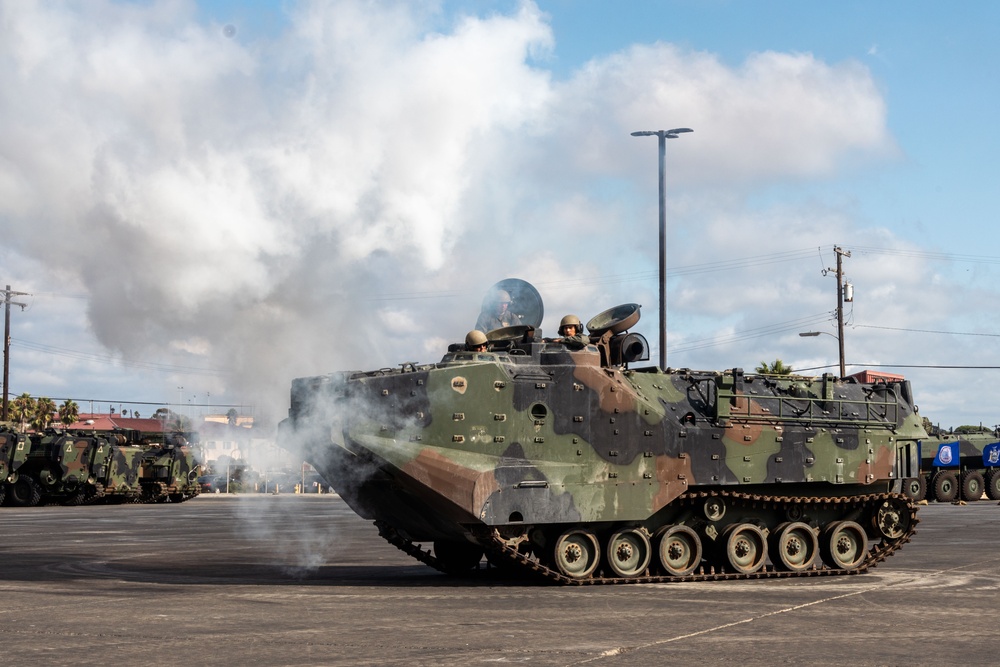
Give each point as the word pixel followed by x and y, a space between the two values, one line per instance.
pixel 200 216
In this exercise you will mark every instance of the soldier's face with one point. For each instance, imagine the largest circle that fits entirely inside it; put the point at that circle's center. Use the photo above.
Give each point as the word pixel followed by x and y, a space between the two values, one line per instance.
pixel 569 330
pixel 502 307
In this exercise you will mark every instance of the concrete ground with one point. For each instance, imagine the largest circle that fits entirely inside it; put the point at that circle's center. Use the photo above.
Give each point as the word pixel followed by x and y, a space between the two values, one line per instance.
pixel 301 580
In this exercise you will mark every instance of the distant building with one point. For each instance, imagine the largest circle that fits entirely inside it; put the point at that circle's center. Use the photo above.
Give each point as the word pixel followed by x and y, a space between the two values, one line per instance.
pixel 875 376
pixel 113 421
pixel 216 438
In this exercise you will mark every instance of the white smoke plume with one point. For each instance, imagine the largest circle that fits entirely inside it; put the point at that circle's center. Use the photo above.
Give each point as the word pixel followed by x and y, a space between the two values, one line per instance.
pixel 342 194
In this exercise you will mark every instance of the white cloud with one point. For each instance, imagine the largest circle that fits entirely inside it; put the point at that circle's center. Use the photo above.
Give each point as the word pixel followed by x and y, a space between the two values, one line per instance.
pixel 341 195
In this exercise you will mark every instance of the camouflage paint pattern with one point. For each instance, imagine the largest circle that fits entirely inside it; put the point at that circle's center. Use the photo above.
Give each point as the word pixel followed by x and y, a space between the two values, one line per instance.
pixel 534 434
pixel 74 468
pixel 8 446
pixel 169 471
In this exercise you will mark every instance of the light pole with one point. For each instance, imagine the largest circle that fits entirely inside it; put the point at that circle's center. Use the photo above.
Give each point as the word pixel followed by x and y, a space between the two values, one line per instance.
pixel 840 342
pixel 663 135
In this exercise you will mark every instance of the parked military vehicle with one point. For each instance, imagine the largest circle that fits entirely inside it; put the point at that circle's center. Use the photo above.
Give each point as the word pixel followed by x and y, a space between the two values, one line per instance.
pixel 73 469
pixel 957 467
pixel 11 457
pixel 169 472
pixel 581 467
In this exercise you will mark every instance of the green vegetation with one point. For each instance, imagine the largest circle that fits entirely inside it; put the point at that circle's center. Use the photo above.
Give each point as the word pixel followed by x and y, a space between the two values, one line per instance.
pixel 777 368
pixel 69 411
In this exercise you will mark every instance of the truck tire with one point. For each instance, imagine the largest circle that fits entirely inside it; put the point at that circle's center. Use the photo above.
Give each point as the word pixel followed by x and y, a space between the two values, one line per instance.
pixel 993 484
pixel 25 492
pixel 945 485
pixel 915 488
pixel 972 485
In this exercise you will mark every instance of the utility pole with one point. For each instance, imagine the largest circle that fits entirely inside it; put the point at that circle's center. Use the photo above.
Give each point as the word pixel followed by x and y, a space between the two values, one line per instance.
pixel 6 343
pixel 841 253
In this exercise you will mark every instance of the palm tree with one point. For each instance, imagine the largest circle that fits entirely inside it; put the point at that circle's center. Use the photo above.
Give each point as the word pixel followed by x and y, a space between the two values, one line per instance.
pixel 69 411
pixel 23 407
pixel 777 368
pixel 44 413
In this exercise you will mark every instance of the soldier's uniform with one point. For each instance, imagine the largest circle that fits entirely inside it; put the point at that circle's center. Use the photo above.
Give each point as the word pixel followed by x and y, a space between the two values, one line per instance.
pixel 498 317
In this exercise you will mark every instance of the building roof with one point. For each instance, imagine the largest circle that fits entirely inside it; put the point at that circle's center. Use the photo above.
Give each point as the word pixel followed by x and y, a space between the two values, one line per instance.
pixel 110 422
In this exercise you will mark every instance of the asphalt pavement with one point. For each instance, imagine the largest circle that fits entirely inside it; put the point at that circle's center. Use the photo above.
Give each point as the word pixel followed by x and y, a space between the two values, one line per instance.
pixel 301 580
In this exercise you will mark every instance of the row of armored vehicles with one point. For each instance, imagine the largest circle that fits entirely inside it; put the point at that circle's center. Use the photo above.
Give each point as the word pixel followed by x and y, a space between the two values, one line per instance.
pixel 957 467
pixel 86 467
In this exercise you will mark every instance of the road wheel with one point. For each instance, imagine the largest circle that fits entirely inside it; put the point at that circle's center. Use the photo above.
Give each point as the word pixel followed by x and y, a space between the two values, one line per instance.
pixel 993 484
pixel 745 547
pixel 794 546
pixel 972 485
pixel 629 552
pixel 945 486
pixel 576 553
pixel 25 492
pixel 844 545
pixel 915 488
pixel 679 549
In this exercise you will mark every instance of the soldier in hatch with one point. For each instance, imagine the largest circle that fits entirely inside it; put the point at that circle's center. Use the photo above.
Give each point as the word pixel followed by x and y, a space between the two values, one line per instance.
pixel 475 341
pixel 572 334
pixel 498 315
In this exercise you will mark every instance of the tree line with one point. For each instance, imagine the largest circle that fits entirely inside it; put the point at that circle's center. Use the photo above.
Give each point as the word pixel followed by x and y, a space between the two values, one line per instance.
pixel 40 413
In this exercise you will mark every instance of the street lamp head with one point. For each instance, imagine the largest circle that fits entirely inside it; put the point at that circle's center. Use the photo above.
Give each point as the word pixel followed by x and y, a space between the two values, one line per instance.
pixel 817 333
pixel 669 134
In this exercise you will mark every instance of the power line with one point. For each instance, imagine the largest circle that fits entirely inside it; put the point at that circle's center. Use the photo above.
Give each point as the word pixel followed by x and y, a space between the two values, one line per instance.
pixel 159 403
pixel 923 254
pixel 757 332
pixel 950 333
pixel 105 358
pixel 936 366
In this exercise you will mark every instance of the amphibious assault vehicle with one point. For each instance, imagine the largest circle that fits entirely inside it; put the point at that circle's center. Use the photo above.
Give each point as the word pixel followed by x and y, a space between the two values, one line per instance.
pixel 169 472
pixel 578 466
pixel 11 457
pixel 957 467
pixel 72 469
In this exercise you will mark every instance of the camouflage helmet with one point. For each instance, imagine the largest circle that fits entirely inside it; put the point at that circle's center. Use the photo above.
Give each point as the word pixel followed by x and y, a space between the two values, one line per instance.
pixel 570 320
pixel 475 338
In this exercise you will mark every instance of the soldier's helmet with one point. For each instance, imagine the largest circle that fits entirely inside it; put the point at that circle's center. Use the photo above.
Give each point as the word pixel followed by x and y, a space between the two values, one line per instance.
pixel 503 296
pixel 475 338
pixel 570 320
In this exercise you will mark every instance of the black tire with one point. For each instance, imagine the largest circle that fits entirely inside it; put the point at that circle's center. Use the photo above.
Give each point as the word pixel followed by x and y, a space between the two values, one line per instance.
pixel 945 485
pixel 915 488
pixel 993 484
pixel 25 492
pixel 972 485
pixel 78 497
